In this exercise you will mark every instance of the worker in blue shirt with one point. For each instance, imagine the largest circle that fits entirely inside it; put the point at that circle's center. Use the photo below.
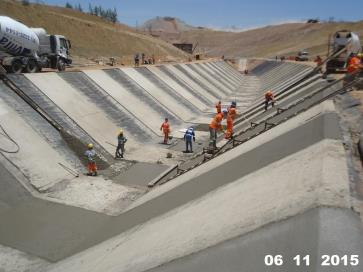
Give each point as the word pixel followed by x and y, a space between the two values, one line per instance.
pixel 189 136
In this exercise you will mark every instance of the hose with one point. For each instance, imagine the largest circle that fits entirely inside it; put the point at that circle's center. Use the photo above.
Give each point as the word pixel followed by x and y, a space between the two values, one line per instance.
pixel 10 139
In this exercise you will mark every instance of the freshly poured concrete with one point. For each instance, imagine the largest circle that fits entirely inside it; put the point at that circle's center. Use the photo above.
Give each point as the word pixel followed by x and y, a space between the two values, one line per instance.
pixel 285 188
pixel 307 234
pixel 79 107
pixel 38 161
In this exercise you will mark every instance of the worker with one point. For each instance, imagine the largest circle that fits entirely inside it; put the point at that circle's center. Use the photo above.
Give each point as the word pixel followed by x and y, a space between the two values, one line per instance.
pixel 318 60
pixel 219 107
pixel 232 112
pixel 188 137
pixel 121 140
pixel 269 96
pixel 137 59
pixel 214 126
pixel 165 127
pixel 91 158
pixel 354 64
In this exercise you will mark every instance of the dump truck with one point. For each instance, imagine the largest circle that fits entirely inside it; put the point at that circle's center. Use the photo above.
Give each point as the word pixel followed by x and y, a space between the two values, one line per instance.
pixel 346 41
pixel 24 49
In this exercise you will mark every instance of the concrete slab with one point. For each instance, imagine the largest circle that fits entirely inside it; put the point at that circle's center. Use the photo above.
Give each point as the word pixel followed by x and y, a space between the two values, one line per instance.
pixel 140 174
pixel 32 152
pixel 245 205
pixel 214 73
pixel 81 109
pixel 163 93
pixel 185 92
pixel 13 260
pixel 208 86
pixel 185 85
pixel 189 81
pixel 307 234
pixel 217 66
pixel 114 110
pixel 140 104
pixel 215 82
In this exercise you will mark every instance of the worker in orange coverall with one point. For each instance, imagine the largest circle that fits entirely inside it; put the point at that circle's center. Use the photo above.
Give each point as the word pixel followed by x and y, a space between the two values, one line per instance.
pixel 232 112
pixel 165 127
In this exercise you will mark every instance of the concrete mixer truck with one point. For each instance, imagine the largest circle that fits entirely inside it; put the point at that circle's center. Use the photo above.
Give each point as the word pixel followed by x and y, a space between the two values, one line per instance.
pixel 346 41
pixel 24 49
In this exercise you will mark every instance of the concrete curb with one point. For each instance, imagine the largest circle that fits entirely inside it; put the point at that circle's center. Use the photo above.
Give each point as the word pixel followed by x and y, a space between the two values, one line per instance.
pixel 162 175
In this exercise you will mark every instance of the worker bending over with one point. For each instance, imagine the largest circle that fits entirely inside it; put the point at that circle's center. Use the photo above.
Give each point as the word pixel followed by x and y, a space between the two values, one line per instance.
pixel 231 115
pixel 219 107
pixel 269 96
pixel 165 127
pixel 214 127
pixel 121 140
pixel 188 137
pixel 91 158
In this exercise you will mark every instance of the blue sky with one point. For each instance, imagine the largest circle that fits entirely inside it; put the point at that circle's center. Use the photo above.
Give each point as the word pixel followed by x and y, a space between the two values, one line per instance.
pixel 227 13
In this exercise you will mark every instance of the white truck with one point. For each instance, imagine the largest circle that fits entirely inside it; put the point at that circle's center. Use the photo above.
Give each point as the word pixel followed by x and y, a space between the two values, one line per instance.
pixel 340 40
pixel 24 49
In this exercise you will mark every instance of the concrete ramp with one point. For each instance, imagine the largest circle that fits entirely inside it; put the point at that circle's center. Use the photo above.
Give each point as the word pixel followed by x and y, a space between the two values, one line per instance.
pixel 166 96
pixel 180 88
pixel 193 82
pixel 115 111
pixel 81 109
pixel 26 145
pixel 270 186
pixel 215 82
pixel 219 78
pixel 187 84
pixel 204 83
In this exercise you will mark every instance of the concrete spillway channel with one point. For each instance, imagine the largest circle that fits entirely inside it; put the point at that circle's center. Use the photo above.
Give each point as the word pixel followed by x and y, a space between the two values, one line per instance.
pixel 248 200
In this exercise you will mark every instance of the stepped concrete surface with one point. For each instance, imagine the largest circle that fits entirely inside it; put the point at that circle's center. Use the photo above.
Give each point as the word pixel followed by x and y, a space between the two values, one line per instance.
pixel 298 171
pixel 283 189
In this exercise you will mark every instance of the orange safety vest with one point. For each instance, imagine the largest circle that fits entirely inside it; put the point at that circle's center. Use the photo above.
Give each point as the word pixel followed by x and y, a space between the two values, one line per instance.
pixel 231 114
pixel 216 121
pixel 219 107
pixel 354 64
pixel 166 127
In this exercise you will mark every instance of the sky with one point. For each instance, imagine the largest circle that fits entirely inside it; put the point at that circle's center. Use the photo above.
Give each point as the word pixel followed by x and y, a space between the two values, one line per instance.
pixel 225 14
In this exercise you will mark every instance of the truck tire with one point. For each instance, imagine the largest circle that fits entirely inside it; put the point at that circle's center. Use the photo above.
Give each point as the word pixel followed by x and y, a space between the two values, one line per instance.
pixel 32 66
pixel 61 66
pixel 16 66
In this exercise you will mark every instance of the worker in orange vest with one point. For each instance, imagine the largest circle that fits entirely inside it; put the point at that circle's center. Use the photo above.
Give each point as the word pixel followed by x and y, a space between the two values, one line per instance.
pixel 214 127
pixel 354 64
pixel 269 96
pixel 165 127
pixel 219 107
pixel 232 112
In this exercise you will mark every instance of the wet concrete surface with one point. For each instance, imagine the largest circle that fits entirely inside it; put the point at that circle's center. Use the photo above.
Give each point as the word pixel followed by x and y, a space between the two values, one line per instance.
pixel 307 234
pixel 53 232
pixel 140 174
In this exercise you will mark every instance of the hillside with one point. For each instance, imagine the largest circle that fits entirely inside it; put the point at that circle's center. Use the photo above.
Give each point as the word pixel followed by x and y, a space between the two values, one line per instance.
pixel 91 36
pixel 269 41
pixel 286 39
